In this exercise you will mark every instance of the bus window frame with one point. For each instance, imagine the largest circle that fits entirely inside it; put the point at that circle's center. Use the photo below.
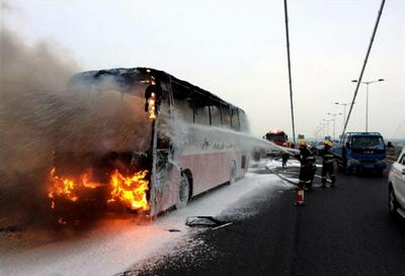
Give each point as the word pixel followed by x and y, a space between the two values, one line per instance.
pixel 218 115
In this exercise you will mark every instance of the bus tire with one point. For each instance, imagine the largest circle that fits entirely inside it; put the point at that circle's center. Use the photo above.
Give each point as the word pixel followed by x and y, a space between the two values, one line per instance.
pixel 184 192
pixel 232 172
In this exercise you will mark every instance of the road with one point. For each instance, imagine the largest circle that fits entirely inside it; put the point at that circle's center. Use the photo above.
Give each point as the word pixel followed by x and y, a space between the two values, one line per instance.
pixel 341 231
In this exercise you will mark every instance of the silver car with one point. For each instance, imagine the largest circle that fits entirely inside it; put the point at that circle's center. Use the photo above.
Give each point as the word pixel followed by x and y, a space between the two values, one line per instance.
pixel 396 186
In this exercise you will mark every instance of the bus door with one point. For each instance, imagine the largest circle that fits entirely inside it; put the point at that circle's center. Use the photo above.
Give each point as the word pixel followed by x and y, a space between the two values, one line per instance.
pixel 167 174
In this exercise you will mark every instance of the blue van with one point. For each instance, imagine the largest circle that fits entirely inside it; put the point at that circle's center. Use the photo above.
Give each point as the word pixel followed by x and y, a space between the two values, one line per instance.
pixel 361 151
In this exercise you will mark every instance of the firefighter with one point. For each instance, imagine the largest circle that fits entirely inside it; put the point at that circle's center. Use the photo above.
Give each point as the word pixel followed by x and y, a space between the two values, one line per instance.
pixel 284 157
pixel 307 164
pixel 327 164
pixel 391 152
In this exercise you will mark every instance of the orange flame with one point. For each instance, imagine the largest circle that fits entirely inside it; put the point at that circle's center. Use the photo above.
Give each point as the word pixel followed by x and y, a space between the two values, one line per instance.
pixel 85 180
pixel 131 190
pixel 67 187
pixel 61 186
pixel 151 106
pixel 127 190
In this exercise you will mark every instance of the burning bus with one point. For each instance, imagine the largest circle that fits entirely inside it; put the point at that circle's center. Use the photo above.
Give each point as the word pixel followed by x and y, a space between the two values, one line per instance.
pixel 142 140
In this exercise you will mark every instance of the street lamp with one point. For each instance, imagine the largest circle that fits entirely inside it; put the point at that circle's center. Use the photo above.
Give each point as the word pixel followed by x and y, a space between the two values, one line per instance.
pixel 319 131
pixel 344 111
pixel 367 83
pixel 322 130
pixel 327 126
pixel 334 119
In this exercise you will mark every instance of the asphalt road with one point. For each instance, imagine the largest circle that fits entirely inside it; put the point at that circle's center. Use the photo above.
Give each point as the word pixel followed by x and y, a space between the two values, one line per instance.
pixel 341 231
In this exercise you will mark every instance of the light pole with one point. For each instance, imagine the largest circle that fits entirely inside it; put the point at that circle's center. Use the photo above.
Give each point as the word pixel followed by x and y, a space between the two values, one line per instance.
pixel 344 111
pixel 334 120
pixel 367 83
pixel 316 133
pixel 319 129
pixel 323 131
pixel 327 126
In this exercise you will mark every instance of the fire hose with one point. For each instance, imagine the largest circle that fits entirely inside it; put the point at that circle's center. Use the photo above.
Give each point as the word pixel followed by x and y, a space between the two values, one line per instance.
pixel 289 180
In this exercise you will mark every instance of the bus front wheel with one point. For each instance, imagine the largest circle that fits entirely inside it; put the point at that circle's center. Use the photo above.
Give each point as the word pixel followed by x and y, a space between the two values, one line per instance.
pixel 184 192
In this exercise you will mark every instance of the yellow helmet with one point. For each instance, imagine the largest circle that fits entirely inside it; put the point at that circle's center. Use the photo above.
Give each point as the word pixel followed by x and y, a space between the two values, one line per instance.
pixel 328 143
pixel 303 143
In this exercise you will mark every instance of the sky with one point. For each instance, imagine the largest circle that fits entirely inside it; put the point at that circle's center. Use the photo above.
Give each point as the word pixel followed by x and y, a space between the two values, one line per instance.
pixel 237 50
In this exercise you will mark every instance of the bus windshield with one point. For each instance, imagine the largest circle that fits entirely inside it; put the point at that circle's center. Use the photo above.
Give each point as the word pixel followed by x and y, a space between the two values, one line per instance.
pixel 104 118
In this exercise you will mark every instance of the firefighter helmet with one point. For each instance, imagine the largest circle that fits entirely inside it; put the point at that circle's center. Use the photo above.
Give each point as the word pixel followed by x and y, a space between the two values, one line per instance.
pixel 303 143
pixel 327 143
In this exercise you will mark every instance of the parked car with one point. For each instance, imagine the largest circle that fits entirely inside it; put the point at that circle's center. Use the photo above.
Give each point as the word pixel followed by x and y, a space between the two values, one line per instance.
pixel 396 186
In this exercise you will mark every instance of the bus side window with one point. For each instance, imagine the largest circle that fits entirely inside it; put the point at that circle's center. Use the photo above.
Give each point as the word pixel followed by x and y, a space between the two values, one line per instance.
pixel 226 112
pixel 244 126
pixel 164 108
pixel 202 115
pixel 184 110
pixel 183 105
pixel 163 141
pixel 216 119
pixel 235 119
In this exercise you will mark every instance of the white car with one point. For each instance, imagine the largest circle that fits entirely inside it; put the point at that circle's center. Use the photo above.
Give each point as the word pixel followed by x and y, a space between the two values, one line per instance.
pixel 396 186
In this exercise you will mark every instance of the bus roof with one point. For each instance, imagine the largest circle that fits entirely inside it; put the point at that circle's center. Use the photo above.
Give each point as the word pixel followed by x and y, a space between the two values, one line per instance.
pixel 124 77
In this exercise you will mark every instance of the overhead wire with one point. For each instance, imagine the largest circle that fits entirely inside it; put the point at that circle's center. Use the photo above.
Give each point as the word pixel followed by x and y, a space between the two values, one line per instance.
pixel 364 66
pixel 398 128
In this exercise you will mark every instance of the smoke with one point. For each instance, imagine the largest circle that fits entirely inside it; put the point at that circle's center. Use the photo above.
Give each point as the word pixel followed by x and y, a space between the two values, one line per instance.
pixel 36 114
pixel 31 79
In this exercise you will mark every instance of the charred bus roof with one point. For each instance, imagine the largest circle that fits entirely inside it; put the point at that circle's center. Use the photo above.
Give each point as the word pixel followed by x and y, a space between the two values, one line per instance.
pixel 124 78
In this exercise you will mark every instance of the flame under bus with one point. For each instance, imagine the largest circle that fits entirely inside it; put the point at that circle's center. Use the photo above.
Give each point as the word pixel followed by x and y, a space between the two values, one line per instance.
pixel 142 140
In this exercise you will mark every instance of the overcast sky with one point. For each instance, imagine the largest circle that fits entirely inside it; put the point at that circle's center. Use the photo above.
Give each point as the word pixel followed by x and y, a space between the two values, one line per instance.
pixel 237 50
